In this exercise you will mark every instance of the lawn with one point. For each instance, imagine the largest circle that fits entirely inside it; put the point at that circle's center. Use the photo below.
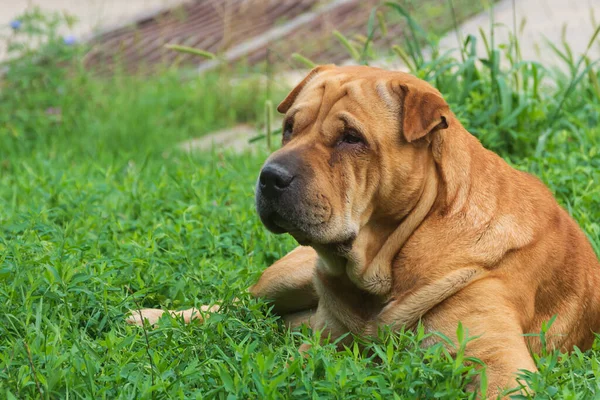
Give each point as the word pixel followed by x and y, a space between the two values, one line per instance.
pixel 101 214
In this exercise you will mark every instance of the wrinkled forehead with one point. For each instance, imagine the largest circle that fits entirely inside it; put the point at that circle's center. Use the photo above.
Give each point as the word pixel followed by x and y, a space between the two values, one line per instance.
pixel 337 90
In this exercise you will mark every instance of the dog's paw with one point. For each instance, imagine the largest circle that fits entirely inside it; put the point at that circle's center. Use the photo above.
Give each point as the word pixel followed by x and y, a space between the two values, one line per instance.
pixel 152 315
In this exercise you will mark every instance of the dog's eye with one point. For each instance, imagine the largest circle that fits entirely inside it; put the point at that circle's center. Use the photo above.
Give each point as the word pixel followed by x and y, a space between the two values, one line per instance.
pixel 288 128
pixel 350 136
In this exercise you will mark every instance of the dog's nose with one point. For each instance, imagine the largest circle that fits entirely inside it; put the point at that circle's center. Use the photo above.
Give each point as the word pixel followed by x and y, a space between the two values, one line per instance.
pixel 275 178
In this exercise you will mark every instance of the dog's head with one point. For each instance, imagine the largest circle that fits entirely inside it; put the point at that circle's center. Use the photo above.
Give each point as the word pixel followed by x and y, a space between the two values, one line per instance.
pixel 355 151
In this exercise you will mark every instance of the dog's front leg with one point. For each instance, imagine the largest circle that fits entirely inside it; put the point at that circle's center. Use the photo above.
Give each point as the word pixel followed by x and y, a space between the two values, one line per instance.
pixel 491 320
pixel 406 311
pixel 288 284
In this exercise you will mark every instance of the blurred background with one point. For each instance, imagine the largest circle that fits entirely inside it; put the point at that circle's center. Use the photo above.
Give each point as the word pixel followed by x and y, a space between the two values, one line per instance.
pixel 271 43
pixel 134 32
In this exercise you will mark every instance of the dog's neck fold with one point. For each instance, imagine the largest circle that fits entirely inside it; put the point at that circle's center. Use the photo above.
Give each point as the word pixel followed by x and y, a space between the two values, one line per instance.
pixel 373 273
pixel 445 190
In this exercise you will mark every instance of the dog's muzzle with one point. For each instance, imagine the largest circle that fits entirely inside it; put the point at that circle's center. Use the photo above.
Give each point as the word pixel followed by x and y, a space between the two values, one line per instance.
pixel 275 191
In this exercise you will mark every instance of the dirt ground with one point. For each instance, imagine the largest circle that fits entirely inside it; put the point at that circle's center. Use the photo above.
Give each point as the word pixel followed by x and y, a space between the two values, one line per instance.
pixel 93 15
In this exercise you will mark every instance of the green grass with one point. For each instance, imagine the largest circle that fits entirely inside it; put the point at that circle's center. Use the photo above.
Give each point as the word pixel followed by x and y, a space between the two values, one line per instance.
pixel 99 215
pixel 123 114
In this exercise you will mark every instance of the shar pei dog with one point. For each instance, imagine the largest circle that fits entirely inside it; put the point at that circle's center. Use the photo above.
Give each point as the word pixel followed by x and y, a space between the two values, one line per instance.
pixel 403 216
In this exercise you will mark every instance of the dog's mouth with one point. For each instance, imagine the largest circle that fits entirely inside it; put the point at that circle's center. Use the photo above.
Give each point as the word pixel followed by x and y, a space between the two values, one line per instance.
pixel 279 225
pixel 309 222
pixel 309 234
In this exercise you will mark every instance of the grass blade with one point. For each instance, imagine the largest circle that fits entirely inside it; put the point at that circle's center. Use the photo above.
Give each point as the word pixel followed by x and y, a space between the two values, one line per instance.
pixel 191 50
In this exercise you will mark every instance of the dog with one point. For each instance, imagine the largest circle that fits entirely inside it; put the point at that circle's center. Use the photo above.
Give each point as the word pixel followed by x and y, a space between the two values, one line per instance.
pixel 403 216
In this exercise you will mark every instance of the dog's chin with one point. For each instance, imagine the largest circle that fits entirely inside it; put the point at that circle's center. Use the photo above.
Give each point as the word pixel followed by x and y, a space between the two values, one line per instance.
pixel 302 238
pixel 278 225
pixel 309 234
pixel 272 226
pixel 340 244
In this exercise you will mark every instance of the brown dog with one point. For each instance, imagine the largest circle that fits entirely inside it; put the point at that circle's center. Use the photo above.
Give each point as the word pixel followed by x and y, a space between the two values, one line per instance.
pixel 409 218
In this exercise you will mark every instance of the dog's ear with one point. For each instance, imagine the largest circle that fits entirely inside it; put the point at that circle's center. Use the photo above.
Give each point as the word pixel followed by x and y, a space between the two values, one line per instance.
pixel 423 111
pixel 285 105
